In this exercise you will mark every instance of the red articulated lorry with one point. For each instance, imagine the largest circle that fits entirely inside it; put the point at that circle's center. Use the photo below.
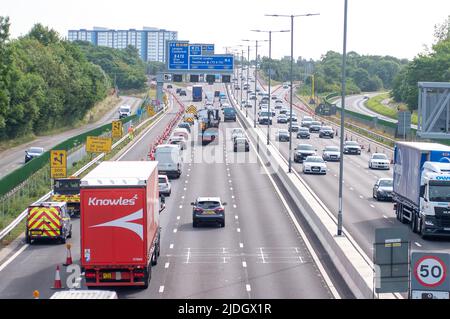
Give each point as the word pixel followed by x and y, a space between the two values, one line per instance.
pixel 120 232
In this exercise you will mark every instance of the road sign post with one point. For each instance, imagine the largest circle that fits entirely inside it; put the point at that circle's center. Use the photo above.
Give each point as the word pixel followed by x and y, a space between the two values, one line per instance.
pixel 429 277
pixel 58 164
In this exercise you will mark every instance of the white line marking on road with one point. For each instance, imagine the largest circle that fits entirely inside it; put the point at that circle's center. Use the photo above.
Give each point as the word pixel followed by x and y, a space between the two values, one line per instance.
pixel 241 245
pixel 384 216
pixel 262 255
pixel 182 197
pixel 361 196
pixel 247 286
pixel 231 188
pixel 181 206
pixel 6 263
pixel 238 230
pixel 188 255
pixel 236 217
pixel 174 230
pixel 171 246
pixel 335 175
pixel 187 175
pixel 229 181
pixel 161 289
pixel 184 188
pixel 229 175
pixel 351 188
pixel 417 244
pixel 166 265
pixel 232 196
pixel 234 206
pixel 186 182
pixel 178 217
pixel 244 264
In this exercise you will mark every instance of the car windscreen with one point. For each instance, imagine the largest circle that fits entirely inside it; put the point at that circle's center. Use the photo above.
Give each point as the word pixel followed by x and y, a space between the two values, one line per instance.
pixel 315 123
pixel 379 156
pixel 208 204
pixel 332 149
pixel 314 159
pixel 265 114
pixel 35 150
pixel 386 183
pixel 352 143
pixel 67 184
pixel 326 128
pixel 124 109
pixel 439 191
pixel 162 180
pixel 228 110
pixel 304 129
pixel 305 147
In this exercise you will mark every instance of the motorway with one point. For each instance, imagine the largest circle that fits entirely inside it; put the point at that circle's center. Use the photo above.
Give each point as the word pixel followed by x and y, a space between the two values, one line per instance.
pixel 362 213
pixel 14 158
pixel 259 254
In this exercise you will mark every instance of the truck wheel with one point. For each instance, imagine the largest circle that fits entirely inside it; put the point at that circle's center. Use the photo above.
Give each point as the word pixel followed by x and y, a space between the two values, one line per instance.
pixel 147 277
pixel 63 239
pixel 154 260
pixel 414 224
pixel 27 238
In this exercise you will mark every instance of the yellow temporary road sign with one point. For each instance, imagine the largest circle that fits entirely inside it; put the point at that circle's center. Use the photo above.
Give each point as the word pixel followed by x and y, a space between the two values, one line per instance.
pixel 96 144
pixel 116 129
pixel 150 110
pixel 191 109
pixel 58 164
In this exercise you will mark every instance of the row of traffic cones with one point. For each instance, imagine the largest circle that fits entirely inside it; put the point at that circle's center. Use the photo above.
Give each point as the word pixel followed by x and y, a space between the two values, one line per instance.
pixel 57 284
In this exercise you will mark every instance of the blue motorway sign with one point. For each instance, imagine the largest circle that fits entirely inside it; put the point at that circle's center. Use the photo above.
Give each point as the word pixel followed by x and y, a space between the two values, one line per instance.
pixel 207 49
pixel 213 62
pixel 201 49
pixel 178 56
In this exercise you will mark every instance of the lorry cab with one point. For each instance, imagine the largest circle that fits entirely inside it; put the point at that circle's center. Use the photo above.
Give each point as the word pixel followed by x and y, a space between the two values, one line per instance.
pixel 68 190
pixel 48 220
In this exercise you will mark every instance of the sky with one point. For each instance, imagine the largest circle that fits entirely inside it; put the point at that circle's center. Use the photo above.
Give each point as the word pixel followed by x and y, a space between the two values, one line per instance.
pixel 400 28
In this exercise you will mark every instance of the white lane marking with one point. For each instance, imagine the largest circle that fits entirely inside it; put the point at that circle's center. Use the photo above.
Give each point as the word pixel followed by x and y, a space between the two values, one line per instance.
pixel 232 196
pixel 335 175
pixel 384 216
pixel 241 245
pixel 373 206
pixel 234 206
pixel 6 263
pixel 247 286
pixel 299 229
pixel 238 230
pixel 171 246
pixel 417 244
pixel 361 196
pixel 178 217
pixel 188 255
pixel 186 182
pixel 166 265
pixel 229 175
pixel 181 206
pixel 189 169
pixel 262 255
pixel 161 289
pixel 244 264
pixel 229 181
pixel 182 197
pixel 351 188
pixel 184 188
pixel 231 188
pixel 236 217
pixel 187 175
pixel 174 230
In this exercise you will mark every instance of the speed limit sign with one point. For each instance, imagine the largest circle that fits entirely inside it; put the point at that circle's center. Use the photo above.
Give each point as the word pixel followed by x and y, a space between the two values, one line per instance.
pixel 430 271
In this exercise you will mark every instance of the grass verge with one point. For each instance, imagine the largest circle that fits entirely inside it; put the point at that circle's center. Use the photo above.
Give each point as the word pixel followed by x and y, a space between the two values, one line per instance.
pixel 376 104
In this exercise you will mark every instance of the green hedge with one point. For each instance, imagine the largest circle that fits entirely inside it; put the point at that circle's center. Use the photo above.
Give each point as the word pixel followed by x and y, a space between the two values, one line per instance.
pixel 15 178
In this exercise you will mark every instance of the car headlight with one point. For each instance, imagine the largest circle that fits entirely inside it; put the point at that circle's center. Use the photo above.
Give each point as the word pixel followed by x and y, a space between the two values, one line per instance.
pixel 429 222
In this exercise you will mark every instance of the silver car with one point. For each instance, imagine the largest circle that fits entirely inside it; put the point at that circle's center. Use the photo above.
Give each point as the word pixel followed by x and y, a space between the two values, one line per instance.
pixel 331 153
pixel 164 186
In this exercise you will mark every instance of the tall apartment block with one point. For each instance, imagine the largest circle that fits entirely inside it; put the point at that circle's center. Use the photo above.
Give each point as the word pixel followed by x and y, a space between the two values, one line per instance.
pixel 150 42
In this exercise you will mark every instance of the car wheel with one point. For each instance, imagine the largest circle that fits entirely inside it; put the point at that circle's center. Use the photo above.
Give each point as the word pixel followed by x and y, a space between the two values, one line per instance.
pixel 195 224
pixel 222 224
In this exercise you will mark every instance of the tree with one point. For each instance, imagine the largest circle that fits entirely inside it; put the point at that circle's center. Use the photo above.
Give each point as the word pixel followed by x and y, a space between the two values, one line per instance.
pixel 5 63
pixel 43 34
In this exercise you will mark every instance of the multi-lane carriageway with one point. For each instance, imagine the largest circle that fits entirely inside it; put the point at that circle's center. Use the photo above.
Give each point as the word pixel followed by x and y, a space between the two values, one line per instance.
pixel 362 213
pixel 264 251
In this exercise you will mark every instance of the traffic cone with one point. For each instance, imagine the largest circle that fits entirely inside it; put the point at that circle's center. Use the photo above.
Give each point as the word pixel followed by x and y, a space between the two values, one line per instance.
pixel 36 294
pixel 57 284
pixel 69 256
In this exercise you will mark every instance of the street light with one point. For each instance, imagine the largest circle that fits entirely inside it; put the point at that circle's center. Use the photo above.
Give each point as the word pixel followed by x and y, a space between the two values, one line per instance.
pixel 256 77
pixel 292 63
pixel 270 73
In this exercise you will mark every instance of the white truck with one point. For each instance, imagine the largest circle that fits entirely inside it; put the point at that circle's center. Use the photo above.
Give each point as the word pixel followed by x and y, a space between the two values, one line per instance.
pixel 421 190
pixel 169 158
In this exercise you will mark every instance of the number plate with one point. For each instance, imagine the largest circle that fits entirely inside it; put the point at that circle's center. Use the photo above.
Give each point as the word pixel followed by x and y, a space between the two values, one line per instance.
pixel 107 275
pixel 209 212
pixel 36 232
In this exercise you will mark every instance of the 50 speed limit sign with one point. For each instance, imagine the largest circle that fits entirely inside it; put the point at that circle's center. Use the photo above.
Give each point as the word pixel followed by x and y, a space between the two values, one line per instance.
pixel 430 271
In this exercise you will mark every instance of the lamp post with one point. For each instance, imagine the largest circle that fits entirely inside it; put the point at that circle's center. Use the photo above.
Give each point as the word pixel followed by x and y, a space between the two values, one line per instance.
pixel 256 76
pixel 291 75
pixel 270 73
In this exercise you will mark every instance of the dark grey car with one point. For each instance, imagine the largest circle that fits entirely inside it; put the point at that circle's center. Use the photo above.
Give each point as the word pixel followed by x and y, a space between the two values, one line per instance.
pixel 383 188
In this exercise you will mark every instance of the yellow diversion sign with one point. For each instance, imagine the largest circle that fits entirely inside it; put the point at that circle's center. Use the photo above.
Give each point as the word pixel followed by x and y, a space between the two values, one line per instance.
pixel 58 163
pixel 95 144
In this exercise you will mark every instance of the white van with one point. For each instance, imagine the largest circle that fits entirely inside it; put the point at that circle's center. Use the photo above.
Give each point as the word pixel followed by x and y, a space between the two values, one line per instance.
pixel 124 111
pixel 169 160
pixel 179 131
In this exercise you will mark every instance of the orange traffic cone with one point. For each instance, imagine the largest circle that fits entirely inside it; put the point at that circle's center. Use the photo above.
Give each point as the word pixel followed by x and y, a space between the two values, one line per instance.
pixel 57 284
pixel 69 256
